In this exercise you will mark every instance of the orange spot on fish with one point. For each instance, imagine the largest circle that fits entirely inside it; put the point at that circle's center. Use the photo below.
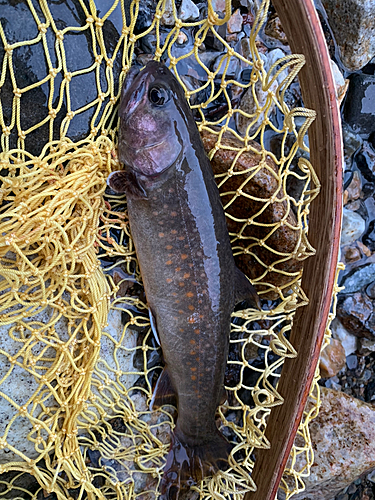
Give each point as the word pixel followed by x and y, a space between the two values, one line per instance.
pixel 174 231
pixel 180 311
pixel 184 256
pixel 193 377
pixel 182 283
pixel 191 264
pixel 192 320
pixel 194 283
pixel 192 342
pixel 199 396
pixel 169 280
pixel 178 269
pixel 191 308
pixel 177 301
pixel 193 369
pixel 169 262
pixel 155 213
pixel 161 235
pixel 181 329
pixel 181 238
pixel 186 275
pixel 173 214
pixel 169 247
pixel 190 294
pixel 160 222
pixel 197 331
pixel 192 353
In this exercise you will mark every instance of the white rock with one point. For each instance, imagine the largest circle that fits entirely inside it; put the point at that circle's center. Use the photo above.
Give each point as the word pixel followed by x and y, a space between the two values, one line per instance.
pixel 341 83
pixel 188 11
pixel 248 105
pixel 21 385
pixel 353 226
pixel 348 341
pixel 272 57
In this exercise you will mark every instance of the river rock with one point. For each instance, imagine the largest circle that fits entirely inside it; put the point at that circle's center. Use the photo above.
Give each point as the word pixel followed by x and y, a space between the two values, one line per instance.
pixel 352 22
pixel 365 161
pixel 355 312
pixel 359 109
pixel 332 359
pixel 359 278
pixel 343 438
pixel 347 339
pixel 273 29
pixel 21 385
pixel 250 106
pixel 262 185
pixel 341 83
pixel 31 66
pixel 353 226
pixel 188 11
pixel 352 142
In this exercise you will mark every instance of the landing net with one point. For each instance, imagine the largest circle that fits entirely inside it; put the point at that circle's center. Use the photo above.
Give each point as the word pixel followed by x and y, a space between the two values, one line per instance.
pixel 78 359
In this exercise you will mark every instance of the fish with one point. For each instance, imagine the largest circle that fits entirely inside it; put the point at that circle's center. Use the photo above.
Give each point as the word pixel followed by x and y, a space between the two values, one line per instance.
pixel 191 282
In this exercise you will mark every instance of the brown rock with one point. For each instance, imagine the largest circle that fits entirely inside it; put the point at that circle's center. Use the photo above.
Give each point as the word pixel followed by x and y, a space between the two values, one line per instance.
pixel 355 311
pixel 256 178
pixel 275 30
pixel 235 22
pixel 354 188
pixel 343 438
pixel 351 254
pixel 332 359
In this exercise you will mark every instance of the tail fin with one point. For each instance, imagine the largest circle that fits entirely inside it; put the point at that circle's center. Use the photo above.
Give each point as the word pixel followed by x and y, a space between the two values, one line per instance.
pixel 187 465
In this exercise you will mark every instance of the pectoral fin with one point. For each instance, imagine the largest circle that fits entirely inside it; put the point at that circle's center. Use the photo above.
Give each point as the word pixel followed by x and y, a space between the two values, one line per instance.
pixel 122 182
pixel 153 326
pixel 244 290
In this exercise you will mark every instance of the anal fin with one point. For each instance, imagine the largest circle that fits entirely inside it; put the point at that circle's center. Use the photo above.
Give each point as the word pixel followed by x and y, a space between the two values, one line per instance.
pixel 244 290
pixel 164 393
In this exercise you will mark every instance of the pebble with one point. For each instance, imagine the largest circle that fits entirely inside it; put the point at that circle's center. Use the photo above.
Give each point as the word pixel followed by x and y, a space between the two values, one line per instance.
pixel 352 362
pixel 352 142
pixel 359 109
pixel 354 189
pixel 343 437
pixel 359 278
pixel 249 105
pixel 352 22
pixel 365 161
pixel 355 312
pixel 347 339
pixel 351 254
pixel 234 24
pixel 353 226
pixel 332 359
pixel 188 11
pixel 272 57
pixel 273 29
pixel 341 83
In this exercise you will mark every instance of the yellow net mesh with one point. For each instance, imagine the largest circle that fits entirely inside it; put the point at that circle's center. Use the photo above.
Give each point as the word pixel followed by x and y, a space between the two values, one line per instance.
pixel 78 357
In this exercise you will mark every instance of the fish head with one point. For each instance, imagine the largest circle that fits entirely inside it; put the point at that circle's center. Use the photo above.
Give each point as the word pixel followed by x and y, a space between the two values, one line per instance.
pixel 152 111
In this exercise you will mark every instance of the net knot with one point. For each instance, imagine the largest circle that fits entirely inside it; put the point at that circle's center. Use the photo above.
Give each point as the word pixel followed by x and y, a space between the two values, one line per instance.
pixel 3 444
pixel 8 49
pixel 125 31
pixel 22 135
pixel 173 61
pixel 70 115
pixel 110 63
pixel 6 131
pixel 68 76
pixel 17 92
pixel 178 24
pixel 52 113
pixel 98 58
pixel 60 35
pixel 89 20
pixel 99 23
pixel 42 28
pixel 53 72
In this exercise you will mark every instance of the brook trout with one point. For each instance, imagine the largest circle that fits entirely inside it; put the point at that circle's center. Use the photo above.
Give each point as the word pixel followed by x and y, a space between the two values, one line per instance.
pixel 191 282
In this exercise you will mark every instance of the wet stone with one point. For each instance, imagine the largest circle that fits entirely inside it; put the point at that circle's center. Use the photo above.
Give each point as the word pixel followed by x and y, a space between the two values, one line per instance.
pixel 359 278
pixel 273 29
pixel 354 189
pixel 332 359
pixel 352 142
pixel 347 339
pixel 351 254
pixel 343 437
pixel 352 23
pixel 355 312
pixel 353 226
pixel 365 161
pixel 341 83
pixel 359 109
pixel 262 185
pixel 235 22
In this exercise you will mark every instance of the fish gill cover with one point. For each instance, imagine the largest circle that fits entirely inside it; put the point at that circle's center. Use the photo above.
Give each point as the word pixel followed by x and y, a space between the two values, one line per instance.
pixel 78 359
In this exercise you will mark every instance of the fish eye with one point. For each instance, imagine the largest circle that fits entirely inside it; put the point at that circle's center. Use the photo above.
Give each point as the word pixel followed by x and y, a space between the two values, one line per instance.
pixel 158 96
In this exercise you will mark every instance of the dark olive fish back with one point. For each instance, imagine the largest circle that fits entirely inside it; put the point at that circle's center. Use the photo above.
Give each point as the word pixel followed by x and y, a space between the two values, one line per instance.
pixel 182 243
